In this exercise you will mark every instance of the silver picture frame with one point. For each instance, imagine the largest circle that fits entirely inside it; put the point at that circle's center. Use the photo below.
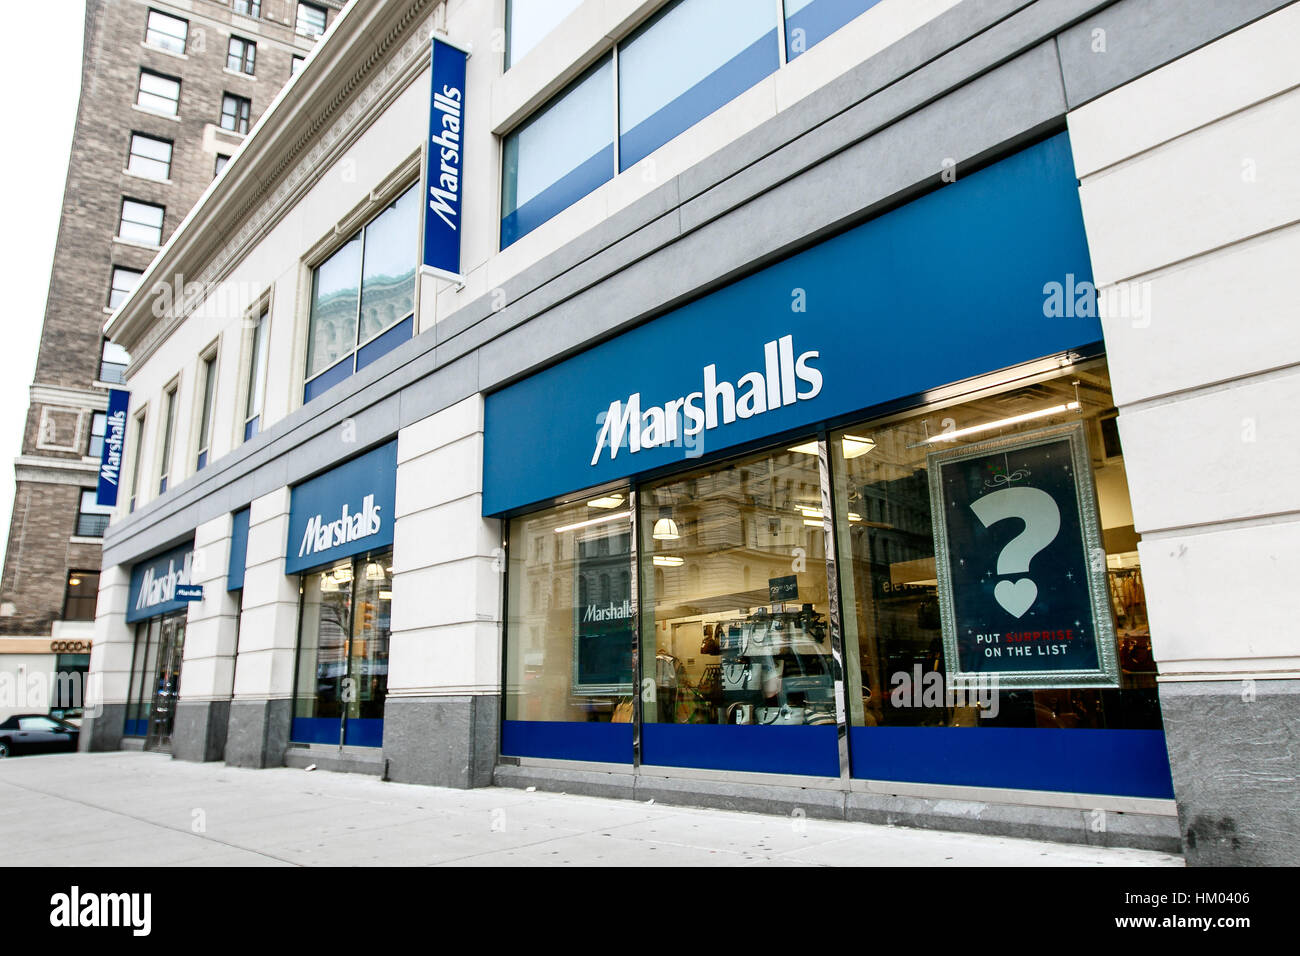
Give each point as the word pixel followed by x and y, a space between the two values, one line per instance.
pixel 1094 561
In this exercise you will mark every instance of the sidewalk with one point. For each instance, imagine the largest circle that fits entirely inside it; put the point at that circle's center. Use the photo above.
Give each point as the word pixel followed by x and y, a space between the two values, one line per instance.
pixel 138 809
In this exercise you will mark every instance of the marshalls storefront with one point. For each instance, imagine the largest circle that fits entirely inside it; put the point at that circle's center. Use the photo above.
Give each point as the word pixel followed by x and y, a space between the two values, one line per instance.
pixel 785 406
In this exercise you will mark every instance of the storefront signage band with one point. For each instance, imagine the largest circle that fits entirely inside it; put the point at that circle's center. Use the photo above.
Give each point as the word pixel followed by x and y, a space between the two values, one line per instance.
pixel 943 289
pixel 344 512
pixel 162 584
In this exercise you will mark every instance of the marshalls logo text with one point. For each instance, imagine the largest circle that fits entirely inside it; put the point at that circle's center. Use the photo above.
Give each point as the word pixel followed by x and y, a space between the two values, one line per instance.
pixel 321 535
pixel 76 909
pixel 718 403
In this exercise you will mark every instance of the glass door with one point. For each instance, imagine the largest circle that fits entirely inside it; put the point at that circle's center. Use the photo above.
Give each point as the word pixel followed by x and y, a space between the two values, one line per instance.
pixel 166 686
pixel 342 672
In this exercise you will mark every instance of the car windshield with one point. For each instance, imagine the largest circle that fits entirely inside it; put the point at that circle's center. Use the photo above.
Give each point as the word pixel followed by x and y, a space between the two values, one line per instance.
pixel 39 723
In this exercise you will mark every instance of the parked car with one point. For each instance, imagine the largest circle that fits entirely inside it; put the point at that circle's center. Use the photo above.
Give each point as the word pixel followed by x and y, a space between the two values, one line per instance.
pixel 36 734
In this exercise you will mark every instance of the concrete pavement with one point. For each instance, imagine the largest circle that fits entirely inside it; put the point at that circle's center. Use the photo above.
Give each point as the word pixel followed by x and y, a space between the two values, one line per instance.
pixel 138 809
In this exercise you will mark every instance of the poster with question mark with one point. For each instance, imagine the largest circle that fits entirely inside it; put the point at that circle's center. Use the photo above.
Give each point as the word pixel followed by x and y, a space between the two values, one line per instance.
pixel 1015 523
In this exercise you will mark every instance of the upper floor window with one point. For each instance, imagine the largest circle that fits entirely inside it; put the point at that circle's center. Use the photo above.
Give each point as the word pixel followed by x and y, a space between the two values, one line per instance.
pixel 311 20
pixel 528 21
pixel 159 93
pixel 98 428
pixel 150 157
pixel 810 21
pixel 112 364
pixel 687 61
pixel 717 48
pixel 249 8
pixel 124 283
pixel 92 517
pixel 219 165
pixel 208 405
pixel 255 390
pixel 560 155
pixel 241 55
pixel 166 32
pixel 363 296
pixel 141 222
pixel 140 421
pixel 81 596
pixel 295 65
pixel 169 435
pixel 235 112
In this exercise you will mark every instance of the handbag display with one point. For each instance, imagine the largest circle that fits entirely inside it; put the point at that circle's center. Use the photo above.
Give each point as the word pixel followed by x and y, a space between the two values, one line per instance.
pixel 741 675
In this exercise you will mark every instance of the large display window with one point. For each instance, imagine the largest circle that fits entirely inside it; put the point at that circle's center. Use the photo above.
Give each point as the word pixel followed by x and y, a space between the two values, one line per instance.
pixel 569 631
pixel 991 582
pixel 736 611
pixel 342 670
pixel 948 595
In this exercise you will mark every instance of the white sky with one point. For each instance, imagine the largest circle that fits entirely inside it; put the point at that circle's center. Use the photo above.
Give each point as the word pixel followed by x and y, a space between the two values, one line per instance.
pixel 44 79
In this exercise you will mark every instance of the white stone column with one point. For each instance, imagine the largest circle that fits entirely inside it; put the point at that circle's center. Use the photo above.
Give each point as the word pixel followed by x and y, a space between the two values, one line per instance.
pixel 209 669
pixel 207 674
pixel 1192 210
pixel 444 680
pixel 268 629
pixel 109 683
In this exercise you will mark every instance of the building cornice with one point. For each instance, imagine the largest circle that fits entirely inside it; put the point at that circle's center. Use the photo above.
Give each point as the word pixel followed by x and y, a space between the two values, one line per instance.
pixel 55 471
pixel 68 396
pixel 370 54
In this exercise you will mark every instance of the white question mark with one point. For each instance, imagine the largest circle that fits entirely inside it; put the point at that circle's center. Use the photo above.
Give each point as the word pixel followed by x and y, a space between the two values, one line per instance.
pixel 1042 518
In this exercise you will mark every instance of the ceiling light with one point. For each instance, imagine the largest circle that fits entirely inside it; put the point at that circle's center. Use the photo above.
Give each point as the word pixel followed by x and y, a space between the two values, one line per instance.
pixel 385 595
pixel 851 445
pixel 855 447
pixel 374 572
pixel 668 561
pixel 609 501
pixel 590 521
pixel 665 528
pixel 1013 420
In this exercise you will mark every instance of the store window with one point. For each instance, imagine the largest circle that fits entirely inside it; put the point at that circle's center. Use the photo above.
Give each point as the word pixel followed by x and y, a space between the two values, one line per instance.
pixel 363 296
pixel 570 618
pixel 737 607
pixel 71 685
pixel 717 49
pixel 990 570
pixel 342 669
pixel 808 22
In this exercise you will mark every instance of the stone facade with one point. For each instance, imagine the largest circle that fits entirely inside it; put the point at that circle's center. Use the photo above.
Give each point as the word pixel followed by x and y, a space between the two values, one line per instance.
pixel 54 467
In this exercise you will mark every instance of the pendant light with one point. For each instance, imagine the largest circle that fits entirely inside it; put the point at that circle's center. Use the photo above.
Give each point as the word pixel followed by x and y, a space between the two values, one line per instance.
pixel 665 528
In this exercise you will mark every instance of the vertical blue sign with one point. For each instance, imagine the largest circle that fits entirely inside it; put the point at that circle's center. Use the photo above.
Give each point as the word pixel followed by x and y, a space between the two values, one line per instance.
pixel 445 160
pixel 110 462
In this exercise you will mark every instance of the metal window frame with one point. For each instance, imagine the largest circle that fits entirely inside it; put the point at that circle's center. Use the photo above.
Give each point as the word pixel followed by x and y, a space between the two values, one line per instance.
pixel 149 29
pixel 359 343
pixel 132 154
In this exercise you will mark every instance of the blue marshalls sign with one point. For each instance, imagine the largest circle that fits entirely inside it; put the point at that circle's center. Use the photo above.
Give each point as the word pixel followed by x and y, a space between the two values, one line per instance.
pixel 110 462
pixel 445 160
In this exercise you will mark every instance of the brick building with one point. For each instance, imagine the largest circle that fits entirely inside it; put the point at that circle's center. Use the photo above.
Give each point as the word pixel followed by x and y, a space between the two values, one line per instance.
pixel 168 93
